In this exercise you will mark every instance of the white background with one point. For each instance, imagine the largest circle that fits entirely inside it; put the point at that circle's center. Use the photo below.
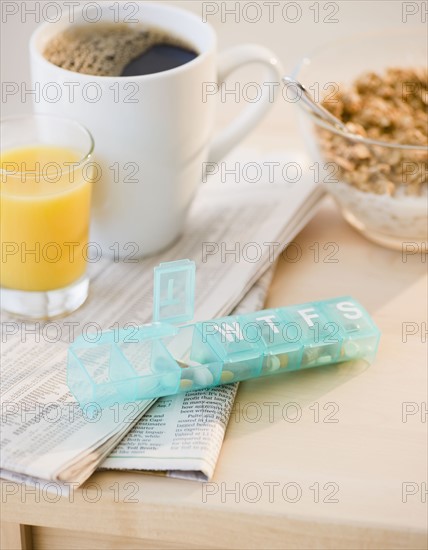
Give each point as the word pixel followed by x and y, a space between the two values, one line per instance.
pixel 289 40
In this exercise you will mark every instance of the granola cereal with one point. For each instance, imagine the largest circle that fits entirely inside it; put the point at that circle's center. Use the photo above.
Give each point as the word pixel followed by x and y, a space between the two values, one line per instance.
pixel 389 107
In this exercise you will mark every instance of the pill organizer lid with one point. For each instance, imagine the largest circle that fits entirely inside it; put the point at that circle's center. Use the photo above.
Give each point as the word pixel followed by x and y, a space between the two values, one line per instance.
pixel 173 304
pixel 174 292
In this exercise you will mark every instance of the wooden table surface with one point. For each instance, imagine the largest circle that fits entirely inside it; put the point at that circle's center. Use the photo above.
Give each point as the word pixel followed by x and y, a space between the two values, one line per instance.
pixel 329 458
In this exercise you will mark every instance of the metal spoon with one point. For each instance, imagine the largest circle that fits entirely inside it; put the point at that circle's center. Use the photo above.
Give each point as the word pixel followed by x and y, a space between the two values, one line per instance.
pixel 319 110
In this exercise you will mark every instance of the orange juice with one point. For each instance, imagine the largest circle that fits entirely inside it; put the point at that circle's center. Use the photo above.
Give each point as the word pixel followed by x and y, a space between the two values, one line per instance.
pixel 45 202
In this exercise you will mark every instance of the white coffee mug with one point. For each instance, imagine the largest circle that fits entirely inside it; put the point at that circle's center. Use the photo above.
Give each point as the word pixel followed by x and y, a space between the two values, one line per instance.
pixel 153 133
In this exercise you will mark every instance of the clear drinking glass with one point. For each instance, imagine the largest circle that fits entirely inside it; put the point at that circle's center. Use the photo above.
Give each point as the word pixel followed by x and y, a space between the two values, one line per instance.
pixel 46 182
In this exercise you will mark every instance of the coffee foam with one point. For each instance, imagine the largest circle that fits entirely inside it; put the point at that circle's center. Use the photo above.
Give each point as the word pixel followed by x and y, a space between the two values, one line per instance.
pixel 104 49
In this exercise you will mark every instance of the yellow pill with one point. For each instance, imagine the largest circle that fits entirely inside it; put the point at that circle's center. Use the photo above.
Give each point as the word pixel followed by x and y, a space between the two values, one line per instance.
pixel 185 384
pixel 283 360
pixel 226 376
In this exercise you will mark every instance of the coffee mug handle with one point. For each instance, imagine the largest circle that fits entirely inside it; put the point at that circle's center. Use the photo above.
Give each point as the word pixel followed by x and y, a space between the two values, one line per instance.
pixel 230 60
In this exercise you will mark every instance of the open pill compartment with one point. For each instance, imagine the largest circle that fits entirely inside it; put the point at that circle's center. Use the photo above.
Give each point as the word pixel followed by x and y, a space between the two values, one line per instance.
pixel 173 354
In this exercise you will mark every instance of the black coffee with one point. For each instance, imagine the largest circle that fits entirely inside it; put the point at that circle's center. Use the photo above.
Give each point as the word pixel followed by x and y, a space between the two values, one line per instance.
pixel 114 49
pixel 158 58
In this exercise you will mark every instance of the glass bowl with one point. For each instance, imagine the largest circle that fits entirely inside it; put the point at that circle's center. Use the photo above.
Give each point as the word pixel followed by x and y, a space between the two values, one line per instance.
pixel 380 186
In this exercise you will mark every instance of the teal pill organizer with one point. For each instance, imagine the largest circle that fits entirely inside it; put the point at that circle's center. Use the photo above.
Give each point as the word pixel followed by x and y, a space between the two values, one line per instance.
pixel 170 355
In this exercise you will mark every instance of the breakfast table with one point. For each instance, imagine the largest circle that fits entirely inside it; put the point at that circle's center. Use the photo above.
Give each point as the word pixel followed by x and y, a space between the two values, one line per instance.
pixel 326 458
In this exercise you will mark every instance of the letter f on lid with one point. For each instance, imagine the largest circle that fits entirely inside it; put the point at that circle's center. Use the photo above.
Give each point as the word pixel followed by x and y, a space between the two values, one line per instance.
pixel 308 314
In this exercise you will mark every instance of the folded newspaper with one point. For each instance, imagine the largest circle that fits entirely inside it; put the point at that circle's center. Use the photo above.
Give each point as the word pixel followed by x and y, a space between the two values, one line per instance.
pixel 234 233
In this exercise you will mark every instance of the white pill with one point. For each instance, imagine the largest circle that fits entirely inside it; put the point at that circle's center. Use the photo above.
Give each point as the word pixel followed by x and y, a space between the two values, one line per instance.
pixel 202 376
pixel 273 363
pixel 310 355
pixel 350 348
pixel 324 359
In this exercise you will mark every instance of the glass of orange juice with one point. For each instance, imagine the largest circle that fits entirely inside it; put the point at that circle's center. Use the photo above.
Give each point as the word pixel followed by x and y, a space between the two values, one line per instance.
pixel 46 172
